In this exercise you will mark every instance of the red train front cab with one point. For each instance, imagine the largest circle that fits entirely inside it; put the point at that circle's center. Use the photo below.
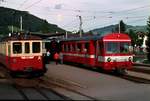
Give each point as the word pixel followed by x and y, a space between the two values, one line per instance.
pixel 114 57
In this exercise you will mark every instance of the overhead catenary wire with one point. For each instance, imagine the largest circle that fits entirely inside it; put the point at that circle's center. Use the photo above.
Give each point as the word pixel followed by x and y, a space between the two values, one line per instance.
pixel 78 10
pixel 32 4
pixel 22 4
pixel 126 17
pixel 102 12
pixel 133 9
pixel 88 11
pixel 110 14
pixel 107 23
pixel 105 15
pixel 140 19
pixel 112 23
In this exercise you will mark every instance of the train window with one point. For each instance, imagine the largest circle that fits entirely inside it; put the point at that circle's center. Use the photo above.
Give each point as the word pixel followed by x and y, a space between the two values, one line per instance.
pixel 65 47
pixel 112 47
pixel 17 47
pixel 47 45
pixel 73 47
pixel 54 46
pixel 100 46
pixel 62 47
pixel 79 47
pixel 27 47
pixel 69 47
pixel 86 49
pixel 36 47
pixel 124 47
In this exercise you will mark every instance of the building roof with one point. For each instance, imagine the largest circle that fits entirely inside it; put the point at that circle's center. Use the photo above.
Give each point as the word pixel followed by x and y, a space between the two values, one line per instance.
pixel 21 36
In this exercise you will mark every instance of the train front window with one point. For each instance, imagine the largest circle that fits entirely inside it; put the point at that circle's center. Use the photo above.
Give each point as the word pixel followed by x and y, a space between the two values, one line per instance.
pixel 27 47
pixel 117 47
pixel 36 47
pixel 124 47
pixel 112 47
pixel 17 47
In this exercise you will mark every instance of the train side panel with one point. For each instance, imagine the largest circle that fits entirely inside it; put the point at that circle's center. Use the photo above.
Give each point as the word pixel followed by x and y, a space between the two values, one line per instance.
pixel 4 58
pixel 77 52
pixel 99 51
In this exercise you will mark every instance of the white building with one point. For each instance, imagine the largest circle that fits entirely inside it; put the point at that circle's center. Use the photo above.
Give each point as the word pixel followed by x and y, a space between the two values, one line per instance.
pixel 144 43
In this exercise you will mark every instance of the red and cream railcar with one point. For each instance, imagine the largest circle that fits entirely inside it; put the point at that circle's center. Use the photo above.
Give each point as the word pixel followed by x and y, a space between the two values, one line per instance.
pixel 22 54
pixel 110 51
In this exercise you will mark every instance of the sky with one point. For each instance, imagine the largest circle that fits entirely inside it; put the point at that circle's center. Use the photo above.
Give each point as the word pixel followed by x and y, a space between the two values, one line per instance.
pixel 94 13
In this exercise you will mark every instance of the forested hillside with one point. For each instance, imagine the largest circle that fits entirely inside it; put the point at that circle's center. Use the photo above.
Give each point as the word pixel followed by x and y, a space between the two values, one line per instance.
pixel 111 28
pixel 9 17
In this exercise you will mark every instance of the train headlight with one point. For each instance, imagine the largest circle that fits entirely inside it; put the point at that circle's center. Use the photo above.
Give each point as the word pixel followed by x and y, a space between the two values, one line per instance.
pixel 108 59
pixel 130 59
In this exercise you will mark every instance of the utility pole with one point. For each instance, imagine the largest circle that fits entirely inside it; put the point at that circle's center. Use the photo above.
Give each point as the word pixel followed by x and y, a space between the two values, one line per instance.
pixel 80 28
pixel 66 34
pixel 21 23
pixel 12 26
pixel 119 27
pixel 12 29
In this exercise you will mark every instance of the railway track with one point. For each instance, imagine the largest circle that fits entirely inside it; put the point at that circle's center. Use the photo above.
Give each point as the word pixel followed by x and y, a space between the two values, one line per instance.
pixel 30 89
pixel 26 86
pixel 34 87
pixel 139 68
pixel 137 77
pixel 67 85
pixel 49 84
pixel 139 74
pixel 34 91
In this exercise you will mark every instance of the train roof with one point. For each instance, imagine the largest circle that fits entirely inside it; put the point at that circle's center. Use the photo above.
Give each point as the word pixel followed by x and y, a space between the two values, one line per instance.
pixel 20 37
pixel 101 36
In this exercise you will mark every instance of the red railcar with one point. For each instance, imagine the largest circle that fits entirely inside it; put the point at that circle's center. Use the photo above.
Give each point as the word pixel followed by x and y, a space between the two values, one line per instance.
pixel 110 51
pixel 22 54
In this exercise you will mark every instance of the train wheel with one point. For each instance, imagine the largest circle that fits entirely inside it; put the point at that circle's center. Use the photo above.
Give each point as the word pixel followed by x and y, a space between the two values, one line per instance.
pixel 121 71
pixel 40 74
pixel 13 75
pixel 37 74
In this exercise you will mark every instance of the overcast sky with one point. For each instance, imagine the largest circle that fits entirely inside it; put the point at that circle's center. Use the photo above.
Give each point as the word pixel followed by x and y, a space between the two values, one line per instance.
pixel 94 13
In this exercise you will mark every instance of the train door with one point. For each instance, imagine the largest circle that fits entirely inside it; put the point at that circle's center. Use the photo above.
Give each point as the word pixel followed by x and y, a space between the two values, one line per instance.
pixel 99 52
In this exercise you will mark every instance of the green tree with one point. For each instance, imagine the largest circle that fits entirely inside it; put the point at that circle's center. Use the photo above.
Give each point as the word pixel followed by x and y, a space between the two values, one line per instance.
pixel 140 39
pixel 133 37
pixel 81 32
pixel 122 27
pixel 148 39
pixel 9 17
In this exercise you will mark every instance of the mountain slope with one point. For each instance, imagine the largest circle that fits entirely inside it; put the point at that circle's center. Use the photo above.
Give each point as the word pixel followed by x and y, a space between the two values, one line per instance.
pixel 111 28
pixel 9 17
